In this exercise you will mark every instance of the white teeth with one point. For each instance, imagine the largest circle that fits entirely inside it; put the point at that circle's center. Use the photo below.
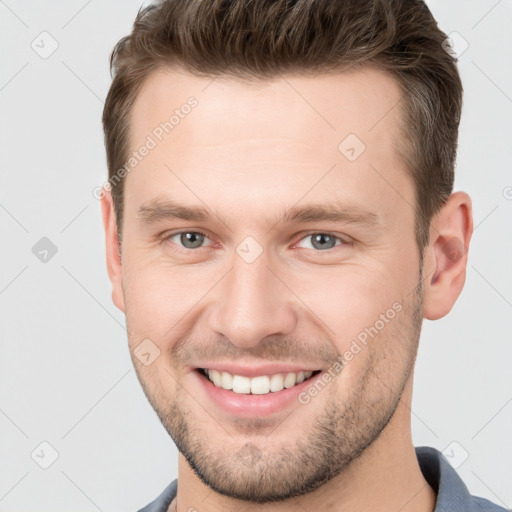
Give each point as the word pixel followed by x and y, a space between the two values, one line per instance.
pixel 260 385
pixel 227 380
pixel 241 384
pixel 276 382
pixel 216 377
pixel 290 380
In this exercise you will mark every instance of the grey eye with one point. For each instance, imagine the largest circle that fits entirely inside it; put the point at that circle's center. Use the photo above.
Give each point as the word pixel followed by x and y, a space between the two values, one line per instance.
pixel 321 241
pixel 191 239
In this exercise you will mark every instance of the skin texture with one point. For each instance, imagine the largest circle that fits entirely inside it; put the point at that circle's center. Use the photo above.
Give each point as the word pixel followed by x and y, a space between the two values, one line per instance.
pixel 249 152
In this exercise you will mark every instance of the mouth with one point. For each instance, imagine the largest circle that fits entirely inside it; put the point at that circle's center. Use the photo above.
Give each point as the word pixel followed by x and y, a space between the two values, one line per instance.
pixel 258 385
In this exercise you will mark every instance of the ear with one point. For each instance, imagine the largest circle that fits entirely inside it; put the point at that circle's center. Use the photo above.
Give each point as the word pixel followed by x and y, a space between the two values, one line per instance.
pixel 113 248
pixel 446 255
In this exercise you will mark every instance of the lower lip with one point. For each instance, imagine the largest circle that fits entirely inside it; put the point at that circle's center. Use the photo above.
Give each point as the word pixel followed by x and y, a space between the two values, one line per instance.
pixel 248 405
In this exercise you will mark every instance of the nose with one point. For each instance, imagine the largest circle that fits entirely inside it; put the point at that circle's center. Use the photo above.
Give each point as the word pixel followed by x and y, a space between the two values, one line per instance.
pixel 251 303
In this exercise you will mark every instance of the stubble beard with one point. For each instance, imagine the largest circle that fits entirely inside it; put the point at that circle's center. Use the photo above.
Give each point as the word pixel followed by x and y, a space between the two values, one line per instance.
pixel 340 433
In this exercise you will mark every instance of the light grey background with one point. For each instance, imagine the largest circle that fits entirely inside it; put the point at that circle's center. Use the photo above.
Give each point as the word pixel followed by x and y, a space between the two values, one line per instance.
pixel 65 373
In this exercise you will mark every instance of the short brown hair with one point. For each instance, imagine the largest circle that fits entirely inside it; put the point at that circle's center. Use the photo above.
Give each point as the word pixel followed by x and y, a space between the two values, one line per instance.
pixel 263 38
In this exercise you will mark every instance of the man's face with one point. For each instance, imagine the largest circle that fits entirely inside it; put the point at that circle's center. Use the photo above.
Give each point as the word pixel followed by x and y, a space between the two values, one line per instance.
pixel 263 286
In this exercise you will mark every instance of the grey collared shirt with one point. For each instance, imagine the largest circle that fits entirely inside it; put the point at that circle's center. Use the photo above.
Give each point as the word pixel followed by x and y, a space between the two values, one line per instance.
pixel 452 493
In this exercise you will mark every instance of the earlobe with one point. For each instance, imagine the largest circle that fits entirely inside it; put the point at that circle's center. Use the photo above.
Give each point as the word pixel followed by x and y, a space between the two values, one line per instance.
pixel 446 261
pixel 112 247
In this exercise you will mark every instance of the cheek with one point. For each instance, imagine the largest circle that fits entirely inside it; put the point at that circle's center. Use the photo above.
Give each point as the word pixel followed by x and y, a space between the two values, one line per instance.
pixel 350 300
pixel 158 297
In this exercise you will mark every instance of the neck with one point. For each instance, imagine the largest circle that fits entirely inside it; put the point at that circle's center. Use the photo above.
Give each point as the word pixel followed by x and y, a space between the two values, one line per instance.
pixel 385 477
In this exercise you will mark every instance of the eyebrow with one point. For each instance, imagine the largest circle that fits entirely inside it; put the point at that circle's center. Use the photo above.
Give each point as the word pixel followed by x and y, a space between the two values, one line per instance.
pixel 156 210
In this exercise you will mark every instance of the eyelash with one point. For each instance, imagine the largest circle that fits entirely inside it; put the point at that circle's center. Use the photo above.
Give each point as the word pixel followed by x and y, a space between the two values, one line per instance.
pixel 168 236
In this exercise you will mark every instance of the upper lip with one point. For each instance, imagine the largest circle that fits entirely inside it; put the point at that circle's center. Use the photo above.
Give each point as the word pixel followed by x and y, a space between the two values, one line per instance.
pixel 255 371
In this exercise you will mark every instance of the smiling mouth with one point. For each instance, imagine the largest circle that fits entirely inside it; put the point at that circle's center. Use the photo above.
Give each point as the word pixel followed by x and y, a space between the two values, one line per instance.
pixel 260 385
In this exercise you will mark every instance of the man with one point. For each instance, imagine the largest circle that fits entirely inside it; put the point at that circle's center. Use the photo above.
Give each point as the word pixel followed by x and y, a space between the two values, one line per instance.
pixel 279 219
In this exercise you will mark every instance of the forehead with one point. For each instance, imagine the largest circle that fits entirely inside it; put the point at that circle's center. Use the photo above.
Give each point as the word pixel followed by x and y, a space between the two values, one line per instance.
pixel 275 136
pixel 353 101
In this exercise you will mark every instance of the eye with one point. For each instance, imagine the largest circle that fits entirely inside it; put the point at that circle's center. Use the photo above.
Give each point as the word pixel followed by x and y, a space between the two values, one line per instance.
pixel 187 239
pixel 323 241
pixel 190 240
